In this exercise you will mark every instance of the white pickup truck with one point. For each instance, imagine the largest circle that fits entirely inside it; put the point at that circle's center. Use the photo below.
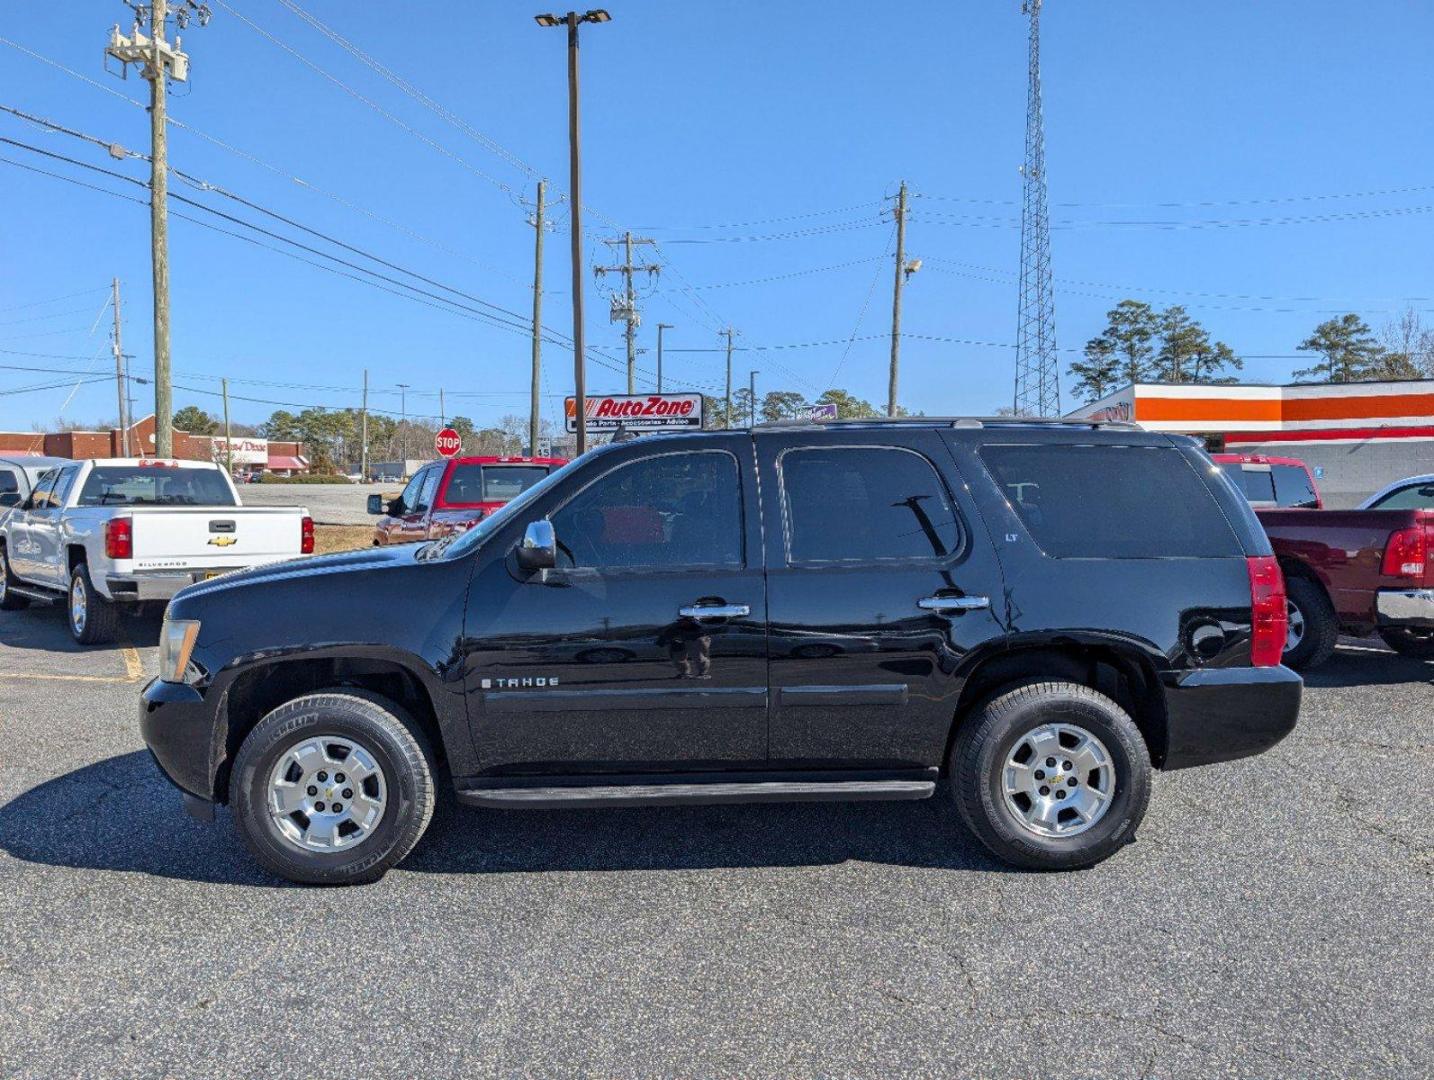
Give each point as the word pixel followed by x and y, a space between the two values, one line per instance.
pixel 107 532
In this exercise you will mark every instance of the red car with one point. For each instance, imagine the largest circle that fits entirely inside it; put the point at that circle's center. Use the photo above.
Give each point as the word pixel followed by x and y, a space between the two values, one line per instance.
pixel 450 496
pixel 1272 482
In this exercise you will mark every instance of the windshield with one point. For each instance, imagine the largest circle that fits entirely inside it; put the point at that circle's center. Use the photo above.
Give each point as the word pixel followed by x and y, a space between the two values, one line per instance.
pixel 472 484
pixel 462 543
pixel 154 485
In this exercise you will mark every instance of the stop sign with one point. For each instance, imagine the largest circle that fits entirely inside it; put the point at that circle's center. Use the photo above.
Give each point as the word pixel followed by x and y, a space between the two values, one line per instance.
pixel 447 443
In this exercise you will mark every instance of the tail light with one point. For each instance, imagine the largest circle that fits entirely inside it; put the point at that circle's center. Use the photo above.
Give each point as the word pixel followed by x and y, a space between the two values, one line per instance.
pixel 306 536
pixel 1270 622
pixel 1406 554
pixel 119 538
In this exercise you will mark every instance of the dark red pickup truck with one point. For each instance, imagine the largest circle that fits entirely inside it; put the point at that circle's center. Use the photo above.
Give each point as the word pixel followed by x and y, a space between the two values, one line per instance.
pixel 1355 572
pixel 445 497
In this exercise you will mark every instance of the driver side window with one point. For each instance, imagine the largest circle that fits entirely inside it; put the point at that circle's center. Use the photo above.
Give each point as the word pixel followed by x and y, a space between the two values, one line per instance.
pixel 40 497
pixel 410 496
pixel 674 511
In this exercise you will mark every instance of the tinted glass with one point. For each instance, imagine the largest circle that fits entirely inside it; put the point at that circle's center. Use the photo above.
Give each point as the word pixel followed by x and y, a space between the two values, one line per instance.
pixel 491 483
pixel 1293 487
pixel 675 511
pixel 154 485
pixel 9 482
pixel 1114 502
pixel 1257 485
pixel 40 496
pixel 1413 497
pixel 410 494
pixel 864 505
pixel 429 488
pixel 63 484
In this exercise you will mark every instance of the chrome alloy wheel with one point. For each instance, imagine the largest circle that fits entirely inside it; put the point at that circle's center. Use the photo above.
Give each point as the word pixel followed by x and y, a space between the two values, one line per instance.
pixel 1296 632
pixel 79 603
pixel 1058 780
pixel 326 793
pixel 4 575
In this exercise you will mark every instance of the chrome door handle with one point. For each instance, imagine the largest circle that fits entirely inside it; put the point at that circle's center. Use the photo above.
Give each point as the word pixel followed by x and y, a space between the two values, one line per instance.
pixel 714 611
pixel 954 603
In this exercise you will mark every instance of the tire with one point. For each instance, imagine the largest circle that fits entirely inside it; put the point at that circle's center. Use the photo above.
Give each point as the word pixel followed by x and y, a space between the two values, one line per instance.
pixel 1415 644
pixel 400 802
pixel 9 600
pixel 1314 631
pixel 1014 723
pixel 92 619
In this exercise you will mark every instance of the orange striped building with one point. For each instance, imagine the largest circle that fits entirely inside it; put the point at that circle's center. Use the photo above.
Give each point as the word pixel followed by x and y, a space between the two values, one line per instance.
pixel 1357 436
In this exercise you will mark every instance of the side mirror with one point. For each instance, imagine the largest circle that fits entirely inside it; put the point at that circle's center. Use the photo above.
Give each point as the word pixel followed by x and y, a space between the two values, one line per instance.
pixel 539 547
pixel 395 507
pixel 10 498
pixel 375 504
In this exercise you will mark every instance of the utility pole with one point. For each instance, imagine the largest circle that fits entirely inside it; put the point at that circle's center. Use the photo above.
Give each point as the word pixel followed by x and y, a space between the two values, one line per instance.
pixel 442 411
pixel 572 20
pixel 752 398
pixel 159 61
pixel 534 419
pixel 363 431
pixel 660 328
pixel 729 333
pixel 624 307
pixel 228 439
pixel 119 370
pixel 403 424
pixel 902 273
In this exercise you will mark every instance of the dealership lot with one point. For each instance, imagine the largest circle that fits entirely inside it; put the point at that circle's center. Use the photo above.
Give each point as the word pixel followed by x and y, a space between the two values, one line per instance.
pixel 1272 919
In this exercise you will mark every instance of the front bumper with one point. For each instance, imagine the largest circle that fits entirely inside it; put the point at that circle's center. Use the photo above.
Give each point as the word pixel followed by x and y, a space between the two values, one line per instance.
pixel 1405 607
pixel 1218 714
pixel 185 733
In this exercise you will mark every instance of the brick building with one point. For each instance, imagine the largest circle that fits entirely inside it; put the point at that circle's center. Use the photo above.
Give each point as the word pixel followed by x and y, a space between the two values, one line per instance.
pixel 281 456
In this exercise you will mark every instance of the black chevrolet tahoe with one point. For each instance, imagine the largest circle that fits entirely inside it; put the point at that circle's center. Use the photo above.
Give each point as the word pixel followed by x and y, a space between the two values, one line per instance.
pixel 1036 613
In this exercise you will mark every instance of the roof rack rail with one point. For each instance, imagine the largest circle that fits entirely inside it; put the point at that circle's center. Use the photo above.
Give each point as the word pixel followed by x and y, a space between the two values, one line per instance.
pixel 955 422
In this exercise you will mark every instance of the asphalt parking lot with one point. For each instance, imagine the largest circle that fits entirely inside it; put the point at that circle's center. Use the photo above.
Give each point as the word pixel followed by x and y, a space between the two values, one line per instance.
pixel 328 504
pixel 1272 920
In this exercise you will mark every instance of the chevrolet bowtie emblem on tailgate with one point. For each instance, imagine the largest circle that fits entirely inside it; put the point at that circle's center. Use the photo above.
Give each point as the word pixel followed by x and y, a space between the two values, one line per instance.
pixel 223 541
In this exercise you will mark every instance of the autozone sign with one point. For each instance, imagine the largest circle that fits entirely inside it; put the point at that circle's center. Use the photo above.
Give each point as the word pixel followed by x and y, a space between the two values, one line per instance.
pixel 637 412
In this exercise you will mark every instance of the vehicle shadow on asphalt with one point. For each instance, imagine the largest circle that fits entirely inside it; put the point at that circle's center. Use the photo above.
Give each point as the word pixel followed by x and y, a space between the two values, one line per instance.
pixel 120 814
pixel 43 628
pixel 1363 665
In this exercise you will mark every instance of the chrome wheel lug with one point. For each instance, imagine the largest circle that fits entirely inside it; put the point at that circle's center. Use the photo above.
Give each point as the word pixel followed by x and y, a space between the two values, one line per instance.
pixel 323 776
pixel 349 792
pixel 313 790
pixel 1040 774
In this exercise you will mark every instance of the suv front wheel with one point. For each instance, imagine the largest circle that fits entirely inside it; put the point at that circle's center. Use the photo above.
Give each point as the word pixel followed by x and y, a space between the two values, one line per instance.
pixel 1051 776
pixel 333 788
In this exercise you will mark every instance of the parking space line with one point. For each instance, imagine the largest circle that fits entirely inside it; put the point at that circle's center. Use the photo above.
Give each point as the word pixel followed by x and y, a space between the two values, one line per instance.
pixel 133 666
pixel 69 678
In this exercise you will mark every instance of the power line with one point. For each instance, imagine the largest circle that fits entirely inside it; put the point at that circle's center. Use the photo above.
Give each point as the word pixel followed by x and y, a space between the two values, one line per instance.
pixel 51 300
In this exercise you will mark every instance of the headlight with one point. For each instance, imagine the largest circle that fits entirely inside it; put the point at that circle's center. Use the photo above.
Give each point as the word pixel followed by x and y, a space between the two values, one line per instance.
pixel 176 642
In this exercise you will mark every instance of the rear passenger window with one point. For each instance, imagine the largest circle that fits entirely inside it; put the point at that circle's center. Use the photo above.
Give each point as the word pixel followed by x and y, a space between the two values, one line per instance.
pixel 865 504
pixel 1111 502
pixel 9 482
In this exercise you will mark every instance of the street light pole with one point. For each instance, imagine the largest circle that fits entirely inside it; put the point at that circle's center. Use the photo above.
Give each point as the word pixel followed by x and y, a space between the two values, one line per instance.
pixel 572 20
pixel 752 397
pixel 660 328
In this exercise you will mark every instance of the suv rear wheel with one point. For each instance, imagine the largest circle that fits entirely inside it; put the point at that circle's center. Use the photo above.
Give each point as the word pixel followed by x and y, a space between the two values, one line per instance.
pixel 1051 776
pixel 333 788
pixel 1314 631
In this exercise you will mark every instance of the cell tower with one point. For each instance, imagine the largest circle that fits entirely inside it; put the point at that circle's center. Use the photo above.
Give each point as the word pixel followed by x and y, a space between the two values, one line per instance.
pixel 1038 388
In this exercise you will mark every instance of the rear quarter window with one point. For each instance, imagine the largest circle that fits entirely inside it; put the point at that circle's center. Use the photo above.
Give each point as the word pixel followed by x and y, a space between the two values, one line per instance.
pixel 1111 502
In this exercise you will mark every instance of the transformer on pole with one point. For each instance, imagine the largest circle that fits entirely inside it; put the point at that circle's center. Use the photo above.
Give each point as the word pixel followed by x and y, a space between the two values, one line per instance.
pixel 1038 388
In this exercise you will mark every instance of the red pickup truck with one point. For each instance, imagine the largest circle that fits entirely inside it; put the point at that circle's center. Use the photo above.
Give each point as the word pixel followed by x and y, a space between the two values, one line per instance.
pixel 1355 572
pixel 445 497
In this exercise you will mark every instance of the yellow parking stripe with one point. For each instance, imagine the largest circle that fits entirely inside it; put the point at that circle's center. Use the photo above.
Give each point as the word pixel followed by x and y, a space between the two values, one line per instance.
pixel 69 678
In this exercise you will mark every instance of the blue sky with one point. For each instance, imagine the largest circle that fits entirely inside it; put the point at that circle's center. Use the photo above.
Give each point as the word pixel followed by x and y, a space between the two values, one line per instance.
pixel 755 141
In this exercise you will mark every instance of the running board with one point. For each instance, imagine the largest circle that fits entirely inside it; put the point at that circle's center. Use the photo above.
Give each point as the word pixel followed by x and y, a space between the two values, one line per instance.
pixel 44 596
pixel 538 798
